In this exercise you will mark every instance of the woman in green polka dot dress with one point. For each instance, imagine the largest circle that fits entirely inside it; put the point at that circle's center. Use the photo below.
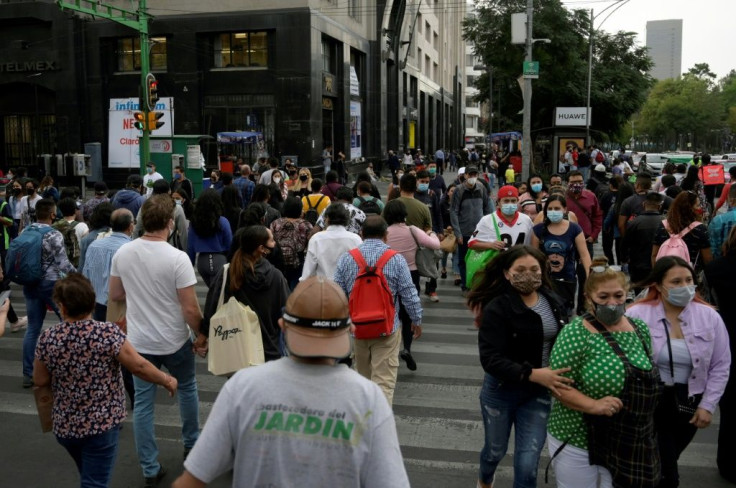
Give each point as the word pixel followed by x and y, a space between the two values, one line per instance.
pixel 601 432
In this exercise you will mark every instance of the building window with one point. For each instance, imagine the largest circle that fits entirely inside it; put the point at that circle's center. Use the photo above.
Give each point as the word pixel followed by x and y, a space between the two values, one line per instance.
pixel 427 65
pixel 436 41
pixel 241 50
pixel 354 9
pixel 419 22
pixel 419 59
pixel 129 54
pixel 435 72
pixel 328 57
pixel 427 32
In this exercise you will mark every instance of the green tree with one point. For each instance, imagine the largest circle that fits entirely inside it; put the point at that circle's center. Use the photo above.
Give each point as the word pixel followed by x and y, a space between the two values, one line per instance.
pixel 620 68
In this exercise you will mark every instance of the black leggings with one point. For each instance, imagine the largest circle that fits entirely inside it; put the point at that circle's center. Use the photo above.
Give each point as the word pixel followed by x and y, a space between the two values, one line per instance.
pixel 674 433
pixel 406 333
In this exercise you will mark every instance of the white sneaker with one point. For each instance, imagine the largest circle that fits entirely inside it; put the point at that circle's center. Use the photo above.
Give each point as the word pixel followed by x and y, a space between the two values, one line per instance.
pixel 21 324
pixel 434 297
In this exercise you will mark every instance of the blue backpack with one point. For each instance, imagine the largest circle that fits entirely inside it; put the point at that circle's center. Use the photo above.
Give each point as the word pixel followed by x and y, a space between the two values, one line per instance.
pixel 23 260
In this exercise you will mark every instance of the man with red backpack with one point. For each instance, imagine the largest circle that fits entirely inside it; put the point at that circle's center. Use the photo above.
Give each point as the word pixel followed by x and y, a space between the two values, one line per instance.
pixel 373 277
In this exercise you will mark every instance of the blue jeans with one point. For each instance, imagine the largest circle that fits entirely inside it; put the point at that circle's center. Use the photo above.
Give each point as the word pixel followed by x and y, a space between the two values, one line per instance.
pixel 37 298
pixel 585 171
pixel 181 366
pixel 526 407
pixel 94 456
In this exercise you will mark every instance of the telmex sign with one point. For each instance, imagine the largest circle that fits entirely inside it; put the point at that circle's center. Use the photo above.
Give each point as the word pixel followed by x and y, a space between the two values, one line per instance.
pixel 571 116
pixel 26 66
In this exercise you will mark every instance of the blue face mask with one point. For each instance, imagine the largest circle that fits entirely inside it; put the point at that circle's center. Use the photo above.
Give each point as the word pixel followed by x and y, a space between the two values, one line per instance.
pixel 536 187
pixel 681 296
pixel 177 176
pixel 509 209
pixel 150 170
pixel 423 187
pixel 555 216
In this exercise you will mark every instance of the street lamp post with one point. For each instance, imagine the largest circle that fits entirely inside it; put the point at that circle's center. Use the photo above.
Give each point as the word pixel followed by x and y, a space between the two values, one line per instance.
pixel 526 154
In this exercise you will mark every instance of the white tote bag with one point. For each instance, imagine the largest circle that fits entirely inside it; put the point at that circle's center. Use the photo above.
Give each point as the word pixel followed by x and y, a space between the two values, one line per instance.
pixel 235 340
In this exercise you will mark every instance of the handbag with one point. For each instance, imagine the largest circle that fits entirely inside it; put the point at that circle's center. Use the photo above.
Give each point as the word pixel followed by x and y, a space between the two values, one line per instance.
pixel 476 261
pixel 235 340
pixel 425 259
pixel 449 243
pixel 684 402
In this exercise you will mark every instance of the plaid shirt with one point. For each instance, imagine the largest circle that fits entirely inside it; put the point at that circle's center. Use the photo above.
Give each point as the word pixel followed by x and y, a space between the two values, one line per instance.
pixel 397 276
pixel 245 188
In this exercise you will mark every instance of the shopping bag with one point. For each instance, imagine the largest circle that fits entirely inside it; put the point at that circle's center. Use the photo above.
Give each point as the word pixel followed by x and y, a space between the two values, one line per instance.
pixel 476 261
pixel 449 243
pixel 235 340
pixel 426 260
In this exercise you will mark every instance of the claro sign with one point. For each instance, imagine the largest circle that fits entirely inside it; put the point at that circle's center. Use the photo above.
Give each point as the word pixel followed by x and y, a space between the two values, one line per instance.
pixel 123 136
pixel 572 116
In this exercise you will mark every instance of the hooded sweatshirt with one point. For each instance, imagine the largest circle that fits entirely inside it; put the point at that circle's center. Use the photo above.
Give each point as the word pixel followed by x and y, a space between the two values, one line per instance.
pixel 264 291
pixel 130 199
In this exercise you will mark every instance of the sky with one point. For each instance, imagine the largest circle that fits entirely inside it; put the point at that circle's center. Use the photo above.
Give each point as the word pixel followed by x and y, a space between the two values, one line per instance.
pixel 707 35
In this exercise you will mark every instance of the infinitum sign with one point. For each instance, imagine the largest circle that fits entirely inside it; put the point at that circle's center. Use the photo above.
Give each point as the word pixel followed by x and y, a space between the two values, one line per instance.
pixel 571 116
pixel 124 151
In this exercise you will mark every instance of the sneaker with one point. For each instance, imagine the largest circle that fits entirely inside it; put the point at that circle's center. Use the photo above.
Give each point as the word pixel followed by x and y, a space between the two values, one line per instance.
pixel 410 363
pixel 153 481
pixel 27 381
pixel 21 324
pixel 433 296
pixel 443 275
pixel 458 281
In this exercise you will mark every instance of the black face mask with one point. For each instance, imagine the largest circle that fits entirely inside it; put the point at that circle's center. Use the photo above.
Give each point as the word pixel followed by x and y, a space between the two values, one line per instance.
pixel 30 191
pixel 17 191
pixel 303 177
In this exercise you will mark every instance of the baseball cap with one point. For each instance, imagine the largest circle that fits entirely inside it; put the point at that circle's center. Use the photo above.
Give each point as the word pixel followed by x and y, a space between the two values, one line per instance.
pixel 100 187
pixel 471 169
pixel 461 171
pixel 317 320
pixel 508 191
pixel 600 168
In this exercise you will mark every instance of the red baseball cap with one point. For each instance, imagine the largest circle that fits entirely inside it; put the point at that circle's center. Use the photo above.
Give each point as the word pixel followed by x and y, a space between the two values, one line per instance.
pixel 508 191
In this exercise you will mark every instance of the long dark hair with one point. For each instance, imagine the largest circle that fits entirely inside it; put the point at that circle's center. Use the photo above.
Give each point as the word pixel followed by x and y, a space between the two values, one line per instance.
pixel 656 277
pixel 552 198
pixel 245 259
pixel 688 183
pixel 493 282
pixel 681 213
pixel 207 213
pixel 529 190
pixel 625 190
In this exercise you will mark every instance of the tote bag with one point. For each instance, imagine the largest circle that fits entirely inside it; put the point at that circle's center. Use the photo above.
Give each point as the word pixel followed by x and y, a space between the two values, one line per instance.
pixel 449 243
pixel 476 261
pixel 235 340
pixel 426 260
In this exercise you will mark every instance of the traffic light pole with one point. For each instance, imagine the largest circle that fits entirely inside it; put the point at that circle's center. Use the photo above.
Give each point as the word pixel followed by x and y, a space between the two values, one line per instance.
pixel 526 148
pixel 138 21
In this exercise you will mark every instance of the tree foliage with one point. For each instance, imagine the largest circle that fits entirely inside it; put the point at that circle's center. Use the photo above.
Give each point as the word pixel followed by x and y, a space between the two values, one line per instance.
pixel 620 68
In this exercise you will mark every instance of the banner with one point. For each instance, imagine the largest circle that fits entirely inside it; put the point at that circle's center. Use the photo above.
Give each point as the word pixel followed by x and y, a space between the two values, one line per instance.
pixel 123 150
pixel 355 132
pixel 572 116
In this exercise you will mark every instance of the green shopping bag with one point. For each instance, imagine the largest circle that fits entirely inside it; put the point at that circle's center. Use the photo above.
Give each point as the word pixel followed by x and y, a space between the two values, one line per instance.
pixel 476 261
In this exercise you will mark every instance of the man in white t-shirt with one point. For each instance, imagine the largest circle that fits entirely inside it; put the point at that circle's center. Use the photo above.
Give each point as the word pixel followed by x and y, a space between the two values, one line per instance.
pixel 304 420
pixel 28 205
pixel 157 282
pixel 513 226
pixel 151 177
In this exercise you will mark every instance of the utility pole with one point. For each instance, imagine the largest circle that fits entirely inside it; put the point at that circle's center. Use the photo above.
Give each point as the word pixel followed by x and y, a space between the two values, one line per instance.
pixel 526 155
pixel 138 21
pixel 590 80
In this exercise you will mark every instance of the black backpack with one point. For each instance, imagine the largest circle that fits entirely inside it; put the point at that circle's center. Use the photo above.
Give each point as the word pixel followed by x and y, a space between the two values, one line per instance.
pixel 311 215
pixel 369 206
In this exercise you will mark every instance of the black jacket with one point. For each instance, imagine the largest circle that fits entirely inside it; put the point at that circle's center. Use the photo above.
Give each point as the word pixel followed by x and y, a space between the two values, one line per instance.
pixel 511 339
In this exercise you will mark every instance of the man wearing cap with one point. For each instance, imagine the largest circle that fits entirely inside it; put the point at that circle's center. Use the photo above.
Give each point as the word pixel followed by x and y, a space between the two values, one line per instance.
pixel 303 420
pixel 151 177
pixel 130 197
pixel 470 203
pixel 378 359
pixel 513 226
pixel 100 196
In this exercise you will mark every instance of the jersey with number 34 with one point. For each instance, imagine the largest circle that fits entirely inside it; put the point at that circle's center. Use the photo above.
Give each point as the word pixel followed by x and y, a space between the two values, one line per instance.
pixel 518 232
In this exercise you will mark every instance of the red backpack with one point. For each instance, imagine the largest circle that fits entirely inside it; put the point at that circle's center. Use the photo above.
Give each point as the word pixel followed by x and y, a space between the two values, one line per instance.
pixel 372 308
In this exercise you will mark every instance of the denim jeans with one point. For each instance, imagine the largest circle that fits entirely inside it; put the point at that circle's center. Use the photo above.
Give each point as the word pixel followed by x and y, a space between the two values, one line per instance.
pixel 526 407
pixel 181 366
pixel 37 298
pixel 585 171
pixel 94 456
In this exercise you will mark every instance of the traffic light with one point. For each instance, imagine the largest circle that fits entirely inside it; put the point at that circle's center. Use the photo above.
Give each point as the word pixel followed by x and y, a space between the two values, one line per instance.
pixel 140 121
pixel 152 87
pixel 153 120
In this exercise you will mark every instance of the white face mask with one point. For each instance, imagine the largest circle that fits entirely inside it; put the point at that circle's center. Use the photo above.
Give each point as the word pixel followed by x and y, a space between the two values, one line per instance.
pixel 472 181
pixel 277 180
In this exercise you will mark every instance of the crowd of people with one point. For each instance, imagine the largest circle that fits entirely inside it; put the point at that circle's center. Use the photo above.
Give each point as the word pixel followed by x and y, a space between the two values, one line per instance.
pixel 613 360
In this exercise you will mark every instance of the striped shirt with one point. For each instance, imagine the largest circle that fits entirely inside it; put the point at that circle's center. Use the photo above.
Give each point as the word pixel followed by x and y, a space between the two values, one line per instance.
pixel 549 326
pixel 98 262
pixel 397 276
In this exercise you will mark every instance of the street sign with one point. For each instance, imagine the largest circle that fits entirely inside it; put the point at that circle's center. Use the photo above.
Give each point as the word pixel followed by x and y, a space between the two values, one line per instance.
pixel 531 70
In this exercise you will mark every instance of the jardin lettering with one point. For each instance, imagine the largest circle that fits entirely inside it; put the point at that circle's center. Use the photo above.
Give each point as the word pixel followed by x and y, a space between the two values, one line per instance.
pixel 307 425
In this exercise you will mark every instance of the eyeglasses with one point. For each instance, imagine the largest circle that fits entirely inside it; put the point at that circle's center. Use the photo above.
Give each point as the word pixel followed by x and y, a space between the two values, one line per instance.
pixel 601 269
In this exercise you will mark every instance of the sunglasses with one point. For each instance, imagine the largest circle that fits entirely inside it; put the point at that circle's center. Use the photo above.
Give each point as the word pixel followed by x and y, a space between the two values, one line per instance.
pixel 601 269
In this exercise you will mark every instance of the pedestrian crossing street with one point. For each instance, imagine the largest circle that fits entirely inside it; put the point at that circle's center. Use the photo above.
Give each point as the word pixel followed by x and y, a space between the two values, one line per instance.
pixel 436 407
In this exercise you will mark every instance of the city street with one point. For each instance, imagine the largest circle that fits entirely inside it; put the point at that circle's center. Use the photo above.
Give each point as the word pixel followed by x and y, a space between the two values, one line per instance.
pixel 436 407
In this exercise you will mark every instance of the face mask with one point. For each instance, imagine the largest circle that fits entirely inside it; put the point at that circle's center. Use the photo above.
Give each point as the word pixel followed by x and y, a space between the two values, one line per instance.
pixel 433 171
pixel 509 209
pixel 576 187
pixel 536 187
pixel 472 180
pixel 277 180
pixel 555 216
pixel 149 170
pixel 30 191
pixel 608 314
pixel 423 187
pixel 178 202
pixel 17 191
pixel 177 176
pixel 699 211
pixel 399 175
pixel 526 282
pixel 681 296
pixel 303 177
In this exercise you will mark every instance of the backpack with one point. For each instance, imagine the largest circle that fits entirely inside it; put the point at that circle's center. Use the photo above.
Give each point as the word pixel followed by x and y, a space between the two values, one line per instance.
pixel 71 242
pixel 371 303
pixel 599 157
pixel 369 206
pixel 675 245
pixel 287 235
pixel 23 261
pixel 312 214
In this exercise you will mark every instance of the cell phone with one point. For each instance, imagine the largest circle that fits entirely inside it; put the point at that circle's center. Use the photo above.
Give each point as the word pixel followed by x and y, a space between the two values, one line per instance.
pixel 4 296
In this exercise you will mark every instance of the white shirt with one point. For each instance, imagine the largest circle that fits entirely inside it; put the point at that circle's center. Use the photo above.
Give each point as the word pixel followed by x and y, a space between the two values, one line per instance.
pixel 25 205
pixel 152 272
pixel 519 232
pixel 149 180
pixel 325 248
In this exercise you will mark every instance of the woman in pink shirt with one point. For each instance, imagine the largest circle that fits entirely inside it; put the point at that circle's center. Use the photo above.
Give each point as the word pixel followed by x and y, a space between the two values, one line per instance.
pixel 406 239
